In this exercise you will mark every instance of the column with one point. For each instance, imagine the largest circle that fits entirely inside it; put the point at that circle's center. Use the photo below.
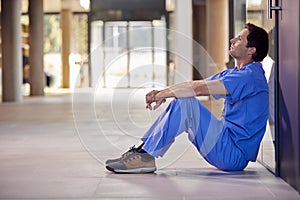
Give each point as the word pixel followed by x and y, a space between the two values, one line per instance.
pixel 66 22
pixel 36 43
pixel 218 32
pixel 11 51
pixel 183 41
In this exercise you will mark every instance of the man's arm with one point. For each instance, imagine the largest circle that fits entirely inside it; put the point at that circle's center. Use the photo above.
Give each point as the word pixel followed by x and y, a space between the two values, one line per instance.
pixel 184 90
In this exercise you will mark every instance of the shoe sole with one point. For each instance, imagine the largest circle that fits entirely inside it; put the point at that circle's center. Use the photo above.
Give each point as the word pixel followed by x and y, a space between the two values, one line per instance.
pixel 132 171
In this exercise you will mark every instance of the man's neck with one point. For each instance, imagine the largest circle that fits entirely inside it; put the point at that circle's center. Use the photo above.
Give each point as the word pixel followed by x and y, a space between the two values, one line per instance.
pixel 240 63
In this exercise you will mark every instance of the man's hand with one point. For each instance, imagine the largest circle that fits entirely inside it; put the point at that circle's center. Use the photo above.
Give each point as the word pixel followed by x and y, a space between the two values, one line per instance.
pixel 185 90
pixel 154 96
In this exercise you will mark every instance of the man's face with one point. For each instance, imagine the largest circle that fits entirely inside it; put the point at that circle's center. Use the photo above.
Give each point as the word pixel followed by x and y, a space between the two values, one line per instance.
pixel 238 49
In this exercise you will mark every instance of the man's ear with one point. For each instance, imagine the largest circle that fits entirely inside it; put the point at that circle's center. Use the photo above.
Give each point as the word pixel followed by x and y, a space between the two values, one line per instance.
pixel 251 50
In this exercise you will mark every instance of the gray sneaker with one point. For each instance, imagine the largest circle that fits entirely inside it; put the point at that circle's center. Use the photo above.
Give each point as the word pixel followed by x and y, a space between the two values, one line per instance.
pixel 134 163
pixel 130 151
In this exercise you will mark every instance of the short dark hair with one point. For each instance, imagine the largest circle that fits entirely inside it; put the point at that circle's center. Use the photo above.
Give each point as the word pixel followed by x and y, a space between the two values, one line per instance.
pixel 259 39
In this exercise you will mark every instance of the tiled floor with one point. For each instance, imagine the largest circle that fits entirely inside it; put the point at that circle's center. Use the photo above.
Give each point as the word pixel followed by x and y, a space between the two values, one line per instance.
pixel 55 147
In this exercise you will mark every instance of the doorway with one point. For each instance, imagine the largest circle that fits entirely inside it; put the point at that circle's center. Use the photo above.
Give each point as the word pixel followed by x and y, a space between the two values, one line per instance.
pixel 128 54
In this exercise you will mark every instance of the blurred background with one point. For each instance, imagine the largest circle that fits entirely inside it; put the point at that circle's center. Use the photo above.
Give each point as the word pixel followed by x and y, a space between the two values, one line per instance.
pixel 48 45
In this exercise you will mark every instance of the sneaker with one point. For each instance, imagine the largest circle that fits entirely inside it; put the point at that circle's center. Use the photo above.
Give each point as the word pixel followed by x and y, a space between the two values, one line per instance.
pixel 130 151
pixel 134 163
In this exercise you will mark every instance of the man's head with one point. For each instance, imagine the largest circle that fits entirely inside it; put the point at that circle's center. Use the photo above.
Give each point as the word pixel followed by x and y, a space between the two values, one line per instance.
pixel 257 38
pixel 251 44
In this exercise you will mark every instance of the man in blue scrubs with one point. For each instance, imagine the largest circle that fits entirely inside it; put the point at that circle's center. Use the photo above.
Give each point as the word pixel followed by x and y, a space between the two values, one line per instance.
pixel 229 143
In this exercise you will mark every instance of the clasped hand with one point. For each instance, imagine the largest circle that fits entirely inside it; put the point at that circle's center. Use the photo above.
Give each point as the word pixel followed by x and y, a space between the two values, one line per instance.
pixel 156 97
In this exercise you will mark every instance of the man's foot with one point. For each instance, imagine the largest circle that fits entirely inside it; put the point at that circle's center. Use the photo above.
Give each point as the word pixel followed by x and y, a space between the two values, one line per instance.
pixel 133 162
pixel 130 151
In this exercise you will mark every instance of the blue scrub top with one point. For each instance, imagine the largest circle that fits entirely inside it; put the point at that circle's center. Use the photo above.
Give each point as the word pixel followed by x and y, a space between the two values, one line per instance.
pixel 246 106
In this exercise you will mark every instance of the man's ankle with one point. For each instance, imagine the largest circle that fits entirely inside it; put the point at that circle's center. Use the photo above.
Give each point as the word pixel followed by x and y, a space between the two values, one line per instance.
pixel 141 150
pixel 140 147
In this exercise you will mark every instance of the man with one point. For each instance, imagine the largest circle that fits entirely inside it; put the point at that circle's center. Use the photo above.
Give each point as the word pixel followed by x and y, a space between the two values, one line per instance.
pixel 228 144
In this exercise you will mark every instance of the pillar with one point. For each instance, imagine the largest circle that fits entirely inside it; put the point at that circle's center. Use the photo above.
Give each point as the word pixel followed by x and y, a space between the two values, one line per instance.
pixel 183 41
pixel 218 32
pixel 36 53
pixel 66 22
pixel 11 51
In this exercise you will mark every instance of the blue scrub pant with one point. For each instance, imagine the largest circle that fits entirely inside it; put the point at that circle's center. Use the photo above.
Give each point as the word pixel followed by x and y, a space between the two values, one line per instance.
pixel 205 131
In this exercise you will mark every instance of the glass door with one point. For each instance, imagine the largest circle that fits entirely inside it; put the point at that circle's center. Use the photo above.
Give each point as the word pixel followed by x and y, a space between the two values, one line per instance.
pixel 256 12
pixel 128 54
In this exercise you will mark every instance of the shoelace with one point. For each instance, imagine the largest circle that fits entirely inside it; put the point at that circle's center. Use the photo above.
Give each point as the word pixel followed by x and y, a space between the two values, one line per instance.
pixel 130 151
